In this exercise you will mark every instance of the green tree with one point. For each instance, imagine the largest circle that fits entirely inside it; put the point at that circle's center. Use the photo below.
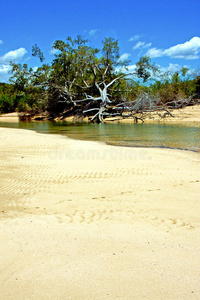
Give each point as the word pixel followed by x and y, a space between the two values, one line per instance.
pixel 72 61
pixel 21 75
pixel 110 52
pixel 36 51
pixel 145 68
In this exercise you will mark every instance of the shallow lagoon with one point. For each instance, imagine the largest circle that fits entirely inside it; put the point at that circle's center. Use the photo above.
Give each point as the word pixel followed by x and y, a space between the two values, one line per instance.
pixel 186 137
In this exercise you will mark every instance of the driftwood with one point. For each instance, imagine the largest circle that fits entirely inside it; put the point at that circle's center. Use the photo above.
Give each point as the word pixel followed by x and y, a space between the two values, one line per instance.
pixel 101 107
pixel 98 111
pixel 104 103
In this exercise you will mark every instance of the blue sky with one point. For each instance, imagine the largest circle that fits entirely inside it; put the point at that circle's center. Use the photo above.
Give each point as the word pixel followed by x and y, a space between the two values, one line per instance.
pixel 167 31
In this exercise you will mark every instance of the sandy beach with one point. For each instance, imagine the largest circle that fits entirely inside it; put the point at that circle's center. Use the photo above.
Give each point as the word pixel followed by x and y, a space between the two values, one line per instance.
pixel 84 220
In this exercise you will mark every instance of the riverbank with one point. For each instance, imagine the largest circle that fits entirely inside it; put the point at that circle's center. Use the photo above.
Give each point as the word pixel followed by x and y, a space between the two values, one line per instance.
pixel 10 117
pixel 188 114
pixel 83 220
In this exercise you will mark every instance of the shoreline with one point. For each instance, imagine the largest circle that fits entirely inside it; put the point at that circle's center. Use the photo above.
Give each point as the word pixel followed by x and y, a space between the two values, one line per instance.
pixel 188 114
pixel 152 147
pixel 86 220
pixel 111 143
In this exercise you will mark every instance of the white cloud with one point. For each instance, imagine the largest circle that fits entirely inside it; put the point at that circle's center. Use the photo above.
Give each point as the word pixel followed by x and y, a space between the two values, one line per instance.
pixel 93 32
pixel 154 52
pixel 4 76
pixel 132 68
pixel 141 45
pixel 138 45
pixel 171 68
pixel 135 37
pixel 35 69
pixel 5 68
pixel 147 45
pixel 128 69
pixel 187 50
pixel 124 56
pixel 1 42
pixel 15 56
pixel 53 51
pixel 27 58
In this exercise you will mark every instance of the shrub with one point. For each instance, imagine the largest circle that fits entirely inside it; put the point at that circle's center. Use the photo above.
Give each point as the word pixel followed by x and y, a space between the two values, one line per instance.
pixel 7 103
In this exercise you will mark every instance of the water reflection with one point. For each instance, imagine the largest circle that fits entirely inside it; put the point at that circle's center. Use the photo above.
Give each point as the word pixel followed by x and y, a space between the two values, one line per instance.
pixel 135 135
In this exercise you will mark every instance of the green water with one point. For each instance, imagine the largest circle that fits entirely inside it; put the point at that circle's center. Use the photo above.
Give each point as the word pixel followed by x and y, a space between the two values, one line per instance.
pixel 133 135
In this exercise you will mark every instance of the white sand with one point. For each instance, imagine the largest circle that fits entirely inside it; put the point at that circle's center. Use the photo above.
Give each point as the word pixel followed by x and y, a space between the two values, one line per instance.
pixel 83 220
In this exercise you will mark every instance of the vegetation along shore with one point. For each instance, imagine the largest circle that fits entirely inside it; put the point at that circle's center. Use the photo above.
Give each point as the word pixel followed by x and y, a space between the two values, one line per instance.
pixel 86 83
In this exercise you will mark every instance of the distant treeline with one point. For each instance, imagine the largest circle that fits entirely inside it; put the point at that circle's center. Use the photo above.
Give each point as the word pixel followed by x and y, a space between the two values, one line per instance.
pixel 79 73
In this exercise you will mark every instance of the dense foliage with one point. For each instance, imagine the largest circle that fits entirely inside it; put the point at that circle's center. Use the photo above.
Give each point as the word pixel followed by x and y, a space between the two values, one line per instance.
pixel 79 72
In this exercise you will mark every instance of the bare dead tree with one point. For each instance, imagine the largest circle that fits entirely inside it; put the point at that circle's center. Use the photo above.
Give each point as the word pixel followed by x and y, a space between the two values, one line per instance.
pixel 104 107
pixel 98 108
